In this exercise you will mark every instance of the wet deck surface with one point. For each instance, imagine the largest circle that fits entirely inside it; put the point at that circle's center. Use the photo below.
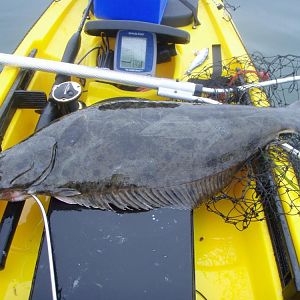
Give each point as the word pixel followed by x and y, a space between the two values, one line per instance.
pixel 105 255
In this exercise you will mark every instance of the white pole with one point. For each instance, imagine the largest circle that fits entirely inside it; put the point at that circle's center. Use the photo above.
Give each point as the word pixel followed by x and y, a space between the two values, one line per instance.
pixel 173 88
pixel 93 72
pixel 290 149
pixel 166 87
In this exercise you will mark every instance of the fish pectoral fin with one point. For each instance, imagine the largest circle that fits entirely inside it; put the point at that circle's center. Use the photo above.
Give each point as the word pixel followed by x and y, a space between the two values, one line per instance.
pixel 68 200
pixel 66 195
pixel 65 192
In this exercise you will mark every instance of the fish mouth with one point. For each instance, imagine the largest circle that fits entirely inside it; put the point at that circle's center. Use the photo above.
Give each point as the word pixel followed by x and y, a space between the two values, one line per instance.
pixel 13 195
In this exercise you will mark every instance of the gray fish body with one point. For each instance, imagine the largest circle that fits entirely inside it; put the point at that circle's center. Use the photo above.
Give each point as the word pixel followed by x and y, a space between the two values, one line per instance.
pixel 141 154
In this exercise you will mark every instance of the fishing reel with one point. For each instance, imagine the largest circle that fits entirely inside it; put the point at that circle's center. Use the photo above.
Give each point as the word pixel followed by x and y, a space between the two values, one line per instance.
pixel 66 96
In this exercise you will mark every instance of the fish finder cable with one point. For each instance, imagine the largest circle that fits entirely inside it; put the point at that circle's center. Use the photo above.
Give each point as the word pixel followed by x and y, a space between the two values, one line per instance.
pixel 49 247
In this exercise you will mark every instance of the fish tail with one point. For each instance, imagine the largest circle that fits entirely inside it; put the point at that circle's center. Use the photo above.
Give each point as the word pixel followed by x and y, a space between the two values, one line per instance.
pixel 294 105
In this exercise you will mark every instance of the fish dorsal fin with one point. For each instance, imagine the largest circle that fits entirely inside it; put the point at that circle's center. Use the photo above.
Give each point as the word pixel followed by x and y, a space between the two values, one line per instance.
pixel 183 196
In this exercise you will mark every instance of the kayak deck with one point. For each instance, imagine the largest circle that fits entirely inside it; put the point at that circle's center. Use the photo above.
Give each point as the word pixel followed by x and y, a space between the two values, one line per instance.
pixel 228 264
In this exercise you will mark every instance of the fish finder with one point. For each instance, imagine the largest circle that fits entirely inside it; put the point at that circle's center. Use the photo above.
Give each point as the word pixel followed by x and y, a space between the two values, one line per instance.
pixel 136 52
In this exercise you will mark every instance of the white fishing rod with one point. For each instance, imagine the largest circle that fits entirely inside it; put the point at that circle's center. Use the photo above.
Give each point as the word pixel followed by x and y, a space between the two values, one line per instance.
pixel 165 87
pixel 290 149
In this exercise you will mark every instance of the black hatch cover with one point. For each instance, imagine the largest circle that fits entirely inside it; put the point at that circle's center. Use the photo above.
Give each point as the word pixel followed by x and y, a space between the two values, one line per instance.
pixel 106 255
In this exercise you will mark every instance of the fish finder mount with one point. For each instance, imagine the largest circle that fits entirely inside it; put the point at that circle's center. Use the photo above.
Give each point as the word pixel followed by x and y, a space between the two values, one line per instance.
pixel 66 96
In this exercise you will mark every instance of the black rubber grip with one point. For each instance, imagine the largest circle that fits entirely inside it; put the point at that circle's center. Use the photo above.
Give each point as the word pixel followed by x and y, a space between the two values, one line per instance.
pixel 50 113
pixel 198 89
pixel 69 56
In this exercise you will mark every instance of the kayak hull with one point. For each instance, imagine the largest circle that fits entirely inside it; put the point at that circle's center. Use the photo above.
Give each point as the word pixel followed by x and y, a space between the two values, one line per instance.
pixel 220 261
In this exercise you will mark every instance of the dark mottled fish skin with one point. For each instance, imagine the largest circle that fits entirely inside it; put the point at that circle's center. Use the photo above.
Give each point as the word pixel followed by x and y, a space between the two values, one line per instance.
pixel 142 154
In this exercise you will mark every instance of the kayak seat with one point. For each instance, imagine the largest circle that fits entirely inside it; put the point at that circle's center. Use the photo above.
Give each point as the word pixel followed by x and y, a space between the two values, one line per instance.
pixel 110 28
pixel 179 13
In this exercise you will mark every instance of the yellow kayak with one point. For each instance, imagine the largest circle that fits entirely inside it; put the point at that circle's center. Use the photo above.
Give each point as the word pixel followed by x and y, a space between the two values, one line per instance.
pixel 160 254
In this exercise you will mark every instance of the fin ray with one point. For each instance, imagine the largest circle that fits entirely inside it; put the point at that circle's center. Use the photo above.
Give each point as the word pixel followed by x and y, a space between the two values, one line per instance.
pixel 183 196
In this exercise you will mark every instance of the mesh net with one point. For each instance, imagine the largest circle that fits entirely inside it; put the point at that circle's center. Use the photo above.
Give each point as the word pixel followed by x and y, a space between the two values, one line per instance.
pixel 252 69
pixel 270 178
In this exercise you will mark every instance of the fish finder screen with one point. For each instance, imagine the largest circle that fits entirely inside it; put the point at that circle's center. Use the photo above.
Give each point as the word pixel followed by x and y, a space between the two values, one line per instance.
pixel 133 52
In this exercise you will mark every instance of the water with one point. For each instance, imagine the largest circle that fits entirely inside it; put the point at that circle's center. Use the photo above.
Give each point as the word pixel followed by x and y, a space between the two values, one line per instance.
pixel 271 27
pixel 16 18
pixel 268 26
